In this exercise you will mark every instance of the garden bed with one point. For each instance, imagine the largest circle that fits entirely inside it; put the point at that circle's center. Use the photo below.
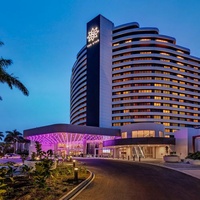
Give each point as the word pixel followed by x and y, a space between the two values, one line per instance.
pixel 61 181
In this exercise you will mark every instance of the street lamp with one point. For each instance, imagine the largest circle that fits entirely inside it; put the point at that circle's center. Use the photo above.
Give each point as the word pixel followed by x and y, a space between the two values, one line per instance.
pixel 76 175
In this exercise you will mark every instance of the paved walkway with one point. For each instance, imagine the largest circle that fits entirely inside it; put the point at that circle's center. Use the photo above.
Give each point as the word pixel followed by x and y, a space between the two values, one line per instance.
pixel 192 170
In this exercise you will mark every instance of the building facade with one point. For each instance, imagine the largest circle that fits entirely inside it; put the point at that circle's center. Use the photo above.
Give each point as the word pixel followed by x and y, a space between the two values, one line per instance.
pixel 134 94
pixel 130 74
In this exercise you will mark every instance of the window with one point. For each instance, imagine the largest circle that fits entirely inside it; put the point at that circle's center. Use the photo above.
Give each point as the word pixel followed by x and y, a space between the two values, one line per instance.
pixel 159 40
pixel 157 97
pixel 166 111
pixel 124 135
pixel 143 133
pixel 145 39
pixel 161 134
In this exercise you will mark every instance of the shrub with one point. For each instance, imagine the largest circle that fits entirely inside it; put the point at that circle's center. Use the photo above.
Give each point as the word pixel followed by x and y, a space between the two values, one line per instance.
pixel 194 156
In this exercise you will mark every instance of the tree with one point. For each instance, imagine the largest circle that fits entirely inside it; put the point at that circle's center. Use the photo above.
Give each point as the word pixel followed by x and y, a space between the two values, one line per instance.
pixel 13 137
pixel 1 135
pixel 9 78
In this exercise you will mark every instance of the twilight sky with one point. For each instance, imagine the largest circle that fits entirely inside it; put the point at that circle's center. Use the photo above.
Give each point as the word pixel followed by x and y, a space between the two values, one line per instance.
pixel 42 37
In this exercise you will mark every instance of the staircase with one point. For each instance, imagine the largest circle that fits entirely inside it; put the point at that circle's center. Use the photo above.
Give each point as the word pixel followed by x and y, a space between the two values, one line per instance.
pixel 138 152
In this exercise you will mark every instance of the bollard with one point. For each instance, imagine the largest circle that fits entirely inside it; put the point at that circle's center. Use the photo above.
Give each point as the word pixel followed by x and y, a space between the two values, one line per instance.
pixel 134 158
pixel 139 158
pixel 128 157
pixel 76 175
pixel 74 163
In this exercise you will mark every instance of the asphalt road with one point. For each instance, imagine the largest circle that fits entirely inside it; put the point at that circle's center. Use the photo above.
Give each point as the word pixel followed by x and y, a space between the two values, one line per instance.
pixel 118 180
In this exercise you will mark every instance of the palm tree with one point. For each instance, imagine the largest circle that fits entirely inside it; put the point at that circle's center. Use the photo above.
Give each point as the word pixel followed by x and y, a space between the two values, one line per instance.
pixel 9 78
pixel 1 135
pixel 13 137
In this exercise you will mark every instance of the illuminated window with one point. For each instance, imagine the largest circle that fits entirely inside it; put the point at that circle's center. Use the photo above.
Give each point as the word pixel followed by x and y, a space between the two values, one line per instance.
pixel 166 79
pixel 143 133
pixel 181 76
pixel 166 104
pixel 158 84
pixel 124 135
pixel 157 104
pixel 183 95
pixel 174 68
pixel 165 85
pixel 175 112
pixel 116 124
pixel 180 63
pixel 166 111
pixel 164 53
pixel 166 98
pixel 166 124
pixel 157 117
pixel 174 93
pixel 166 117
pixel 166 92
pixel 126 111
pixel 195 120
pixel 127 60
pixel 127 66
pixel 145 52
pixel 174 87
pixel 159 40
pixel 180 51
pixel 116 44
pixel 182 82
pixel 180 57
pixel 156 97
pixel 182 113
pixel 118 68
pixel 164 60
pixel 181 70
pixel 175 106
pixel 166 73
pixel 145 39
pixel 128 41
pixel 175 81
pixel 157 91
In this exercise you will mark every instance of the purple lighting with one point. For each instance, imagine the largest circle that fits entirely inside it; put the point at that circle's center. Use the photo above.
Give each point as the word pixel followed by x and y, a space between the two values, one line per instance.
pixel 68 138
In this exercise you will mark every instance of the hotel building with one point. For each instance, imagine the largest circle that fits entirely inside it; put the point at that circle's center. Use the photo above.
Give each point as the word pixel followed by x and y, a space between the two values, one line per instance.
pixel 132 90
pixel 130 74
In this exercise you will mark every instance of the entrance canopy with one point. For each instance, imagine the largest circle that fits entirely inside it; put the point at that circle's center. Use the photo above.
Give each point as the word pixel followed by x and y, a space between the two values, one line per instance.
pixel 69 134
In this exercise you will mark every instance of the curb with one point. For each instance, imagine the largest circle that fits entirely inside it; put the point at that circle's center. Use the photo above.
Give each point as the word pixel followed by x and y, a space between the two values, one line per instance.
pixel 78 188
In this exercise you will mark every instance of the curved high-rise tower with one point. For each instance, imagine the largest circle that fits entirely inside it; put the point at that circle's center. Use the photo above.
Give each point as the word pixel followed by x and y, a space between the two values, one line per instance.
pixel 127 74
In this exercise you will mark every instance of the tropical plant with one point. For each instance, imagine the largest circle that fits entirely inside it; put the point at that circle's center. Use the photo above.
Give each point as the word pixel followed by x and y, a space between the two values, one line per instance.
pixel 9 78
pixel 42 172
pixel 1 135
pixel 39 152
pixel 13 137
pixel 194 156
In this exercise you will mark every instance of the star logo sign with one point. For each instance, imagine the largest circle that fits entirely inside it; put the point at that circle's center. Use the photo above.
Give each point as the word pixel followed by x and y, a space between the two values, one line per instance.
pixel 92 34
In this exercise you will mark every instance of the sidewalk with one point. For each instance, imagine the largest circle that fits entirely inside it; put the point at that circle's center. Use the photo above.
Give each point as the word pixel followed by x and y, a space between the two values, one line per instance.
pixel 192 170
